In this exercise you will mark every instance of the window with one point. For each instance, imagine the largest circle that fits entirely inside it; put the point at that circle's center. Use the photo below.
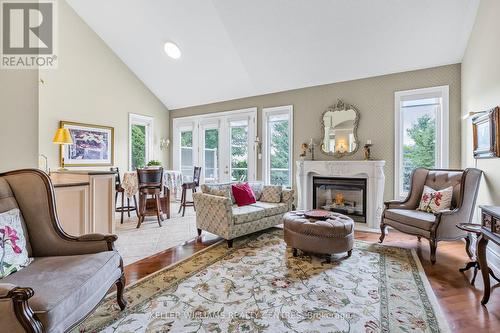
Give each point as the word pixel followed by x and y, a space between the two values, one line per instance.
pixel 421 133
pixel 277 145
pixel 140 140
pixel 187 165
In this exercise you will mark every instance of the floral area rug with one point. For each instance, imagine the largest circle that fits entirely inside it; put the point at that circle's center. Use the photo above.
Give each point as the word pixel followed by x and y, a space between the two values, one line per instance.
pixel 258 286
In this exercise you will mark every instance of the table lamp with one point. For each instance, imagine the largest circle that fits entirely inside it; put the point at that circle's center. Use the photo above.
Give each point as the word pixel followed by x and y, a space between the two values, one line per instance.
pixel 62 137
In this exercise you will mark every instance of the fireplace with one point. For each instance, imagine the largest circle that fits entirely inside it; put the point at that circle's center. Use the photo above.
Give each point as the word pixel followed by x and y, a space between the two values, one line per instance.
pixel 342 195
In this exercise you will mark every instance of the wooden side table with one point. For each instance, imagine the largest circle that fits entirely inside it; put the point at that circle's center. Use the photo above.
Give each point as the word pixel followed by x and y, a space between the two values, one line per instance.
pixel 473 228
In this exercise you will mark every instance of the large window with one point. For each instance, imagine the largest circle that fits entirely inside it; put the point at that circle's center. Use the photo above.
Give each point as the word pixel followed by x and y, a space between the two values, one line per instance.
pixel 277 145
pixel 421 133
pixel 140 140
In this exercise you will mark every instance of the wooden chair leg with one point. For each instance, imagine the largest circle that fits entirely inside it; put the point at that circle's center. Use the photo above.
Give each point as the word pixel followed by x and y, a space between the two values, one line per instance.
pixel 158 208
pixel 142 209
pixel 182 200
pixel 168 204
pixel 123 203
pixel 184 206
pixel 199 231
pixel 136 207
pixel 433 245
pixel 120 287
pixel 382 234
pixel 116 197
pixel 128 207
pixel 229 243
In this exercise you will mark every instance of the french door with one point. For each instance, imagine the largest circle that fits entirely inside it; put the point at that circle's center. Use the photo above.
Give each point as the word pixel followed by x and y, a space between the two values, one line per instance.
pixel 222 144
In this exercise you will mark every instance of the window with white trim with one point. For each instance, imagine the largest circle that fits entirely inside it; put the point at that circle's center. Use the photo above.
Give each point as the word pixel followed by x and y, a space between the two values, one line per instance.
pixel 140 140
pixel 421 132
pixel 277 132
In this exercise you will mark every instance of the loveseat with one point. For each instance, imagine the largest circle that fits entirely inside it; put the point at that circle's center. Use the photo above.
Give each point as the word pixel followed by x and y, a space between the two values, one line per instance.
pixel 221 216
pixel 68 276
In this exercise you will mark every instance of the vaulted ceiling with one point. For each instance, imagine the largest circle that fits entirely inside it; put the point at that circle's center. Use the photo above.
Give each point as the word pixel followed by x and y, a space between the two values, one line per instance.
pixel 238 48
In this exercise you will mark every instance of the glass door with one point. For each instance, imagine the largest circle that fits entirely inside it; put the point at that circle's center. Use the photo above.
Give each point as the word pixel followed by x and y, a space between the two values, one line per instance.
pixel 239 150
pixel 210 155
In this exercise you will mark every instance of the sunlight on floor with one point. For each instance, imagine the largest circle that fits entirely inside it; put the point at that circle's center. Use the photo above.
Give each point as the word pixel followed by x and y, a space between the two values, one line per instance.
pixel 135 244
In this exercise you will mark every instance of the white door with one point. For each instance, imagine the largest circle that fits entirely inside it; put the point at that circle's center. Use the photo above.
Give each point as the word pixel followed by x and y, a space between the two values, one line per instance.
pixel 221 143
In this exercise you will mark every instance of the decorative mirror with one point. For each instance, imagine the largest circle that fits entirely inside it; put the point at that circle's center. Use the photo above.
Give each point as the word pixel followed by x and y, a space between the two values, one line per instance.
pixel 340 124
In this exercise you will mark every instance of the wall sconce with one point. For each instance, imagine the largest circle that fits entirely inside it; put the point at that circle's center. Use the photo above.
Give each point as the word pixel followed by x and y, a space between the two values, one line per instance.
pixel 258 145
pixel 164 143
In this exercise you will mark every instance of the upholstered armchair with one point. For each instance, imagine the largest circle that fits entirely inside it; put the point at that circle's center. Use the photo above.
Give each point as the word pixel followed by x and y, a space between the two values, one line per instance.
pixel 403 216
pixel 69 275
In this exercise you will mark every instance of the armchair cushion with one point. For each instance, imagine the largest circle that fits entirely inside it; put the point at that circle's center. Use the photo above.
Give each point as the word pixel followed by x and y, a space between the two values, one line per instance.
pixel 13 249
pixel 434 201
pixel 415 218
pixel 67 287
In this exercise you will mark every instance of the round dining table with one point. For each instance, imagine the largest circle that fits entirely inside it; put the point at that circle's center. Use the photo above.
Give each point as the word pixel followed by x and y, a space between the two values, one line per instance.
pixel 172 179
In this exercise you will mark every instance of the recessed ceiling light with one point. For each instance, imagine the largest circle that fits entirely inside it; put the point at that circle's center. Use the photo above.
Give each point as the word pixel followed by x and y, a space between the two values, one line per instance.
pixel 172 50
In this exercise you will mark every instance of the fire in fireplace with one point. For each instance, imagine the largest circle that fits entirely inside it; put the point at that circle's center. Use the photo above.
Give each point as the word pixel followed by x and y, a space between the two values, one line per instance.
pixel 342 195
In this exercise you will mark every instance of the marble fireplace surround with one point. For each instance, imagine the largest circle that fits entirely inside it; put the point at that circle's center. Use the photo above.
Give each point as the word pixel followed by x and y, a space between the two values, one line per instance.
pixel 373 171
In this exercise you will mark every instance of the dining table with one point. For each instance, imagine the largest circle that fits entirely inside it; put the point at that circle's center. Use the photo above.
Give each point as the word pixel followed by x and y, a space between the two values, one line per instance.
pixel 172 179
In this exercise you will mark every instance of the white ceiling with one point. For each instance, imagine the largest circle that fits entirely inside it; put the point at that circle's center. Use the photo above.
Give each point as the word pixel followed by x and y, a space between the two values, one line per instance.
pixel 238 48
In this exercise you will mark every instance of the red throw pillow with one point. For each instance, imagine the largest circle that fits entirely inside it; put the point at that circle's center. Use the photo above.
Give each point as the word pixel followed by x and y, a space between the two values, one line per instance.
pixel 243 194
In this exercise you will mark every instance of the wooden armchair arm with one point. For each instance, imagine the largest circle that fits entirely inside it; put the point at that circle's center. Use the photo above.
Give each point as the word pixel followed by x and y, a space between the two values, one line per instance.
pixel 109 239
pixel 14 304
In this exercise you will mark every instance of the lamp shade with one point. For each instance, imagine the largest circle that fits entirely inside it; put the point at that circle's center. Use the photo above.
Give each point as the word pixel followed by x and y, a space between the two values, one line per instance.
pixel 62 137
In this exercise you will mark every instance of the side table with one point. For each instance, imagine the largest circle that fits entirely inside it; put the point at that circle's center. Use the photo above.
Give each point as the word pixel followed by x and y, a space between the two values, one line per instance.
pixel 472 228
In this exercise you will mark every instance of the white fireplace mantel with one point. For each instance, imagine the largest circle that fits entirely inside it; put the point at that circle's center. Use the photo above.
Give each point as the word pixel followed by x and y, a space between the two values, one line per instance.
pixel 373 171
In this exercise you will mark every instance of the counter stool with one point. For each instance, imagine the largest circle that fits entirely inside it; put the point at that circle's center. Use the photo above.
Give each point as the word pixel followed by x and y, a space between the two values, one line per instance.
pixel 119 189
pixel 190 186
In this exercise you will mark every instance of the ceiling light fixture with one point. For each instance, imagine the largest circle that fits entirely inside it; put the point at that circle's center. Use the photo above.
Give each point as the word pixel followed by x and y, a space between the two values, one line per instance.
pixel 172 50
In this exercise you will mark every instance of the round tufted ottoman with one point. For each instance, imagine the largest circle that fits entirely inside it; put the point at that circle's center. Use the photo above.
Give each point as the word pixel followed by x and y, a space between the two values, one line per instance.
pixel 334 235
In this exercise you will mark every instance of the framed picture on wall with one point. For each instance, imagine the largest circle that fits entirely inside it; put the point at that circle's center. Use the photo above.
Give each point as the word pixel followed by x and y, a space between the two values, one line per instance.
pixel 486 134
pixel 93 145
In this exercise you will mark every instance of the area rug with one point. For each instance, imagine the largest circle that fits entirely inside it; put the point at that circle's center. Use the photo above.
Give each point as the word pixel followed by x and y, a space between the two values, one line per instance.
pixel 258 286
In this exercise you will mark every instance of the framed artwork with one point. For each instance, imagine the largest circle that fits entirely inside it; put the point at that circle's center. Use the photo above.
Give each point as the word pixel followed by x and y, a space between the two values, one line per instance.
pixel 486 134
pixel 93 145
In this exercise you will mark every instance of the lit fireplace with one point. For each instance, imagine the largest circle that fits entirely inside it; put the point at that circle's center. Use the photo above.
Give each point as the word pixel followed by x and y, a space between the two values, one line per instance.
pixel 342 195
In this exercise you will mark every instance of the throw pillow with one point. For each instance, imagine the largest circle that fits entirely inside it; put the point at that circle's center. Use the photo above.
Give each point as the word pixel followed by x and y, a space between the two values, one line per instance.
pixel 256 188
pixel 221 192
pixel 13 250
pixel 243 194
pixel 435 201
pixel 271 193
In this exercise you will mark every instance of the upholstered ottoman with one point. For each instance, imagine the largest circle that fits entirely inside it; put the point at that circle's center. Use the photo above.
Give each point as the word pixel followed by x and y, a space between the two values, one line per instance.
pixel 333 235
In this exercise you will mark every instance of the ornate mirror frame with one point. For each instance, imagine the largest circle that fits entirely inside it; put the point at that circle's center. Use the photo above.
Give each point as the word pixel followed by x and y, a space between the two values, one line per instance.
pixel 339 107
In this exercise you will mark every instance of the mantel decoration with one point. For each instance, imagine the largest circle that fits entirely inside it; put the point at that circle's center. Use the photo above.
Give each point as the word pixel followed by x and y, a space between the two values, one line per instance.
pixel 93 145
pixel 339 124
pixel 367 151
pixel 486 133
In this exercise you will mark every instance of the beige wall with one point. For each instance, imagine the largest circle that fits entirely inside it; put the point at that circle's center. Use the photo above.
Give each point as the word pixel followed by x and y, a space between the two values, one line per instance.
pixel 19 119
pixel 374 98
pixel 481 91
pixel 92 85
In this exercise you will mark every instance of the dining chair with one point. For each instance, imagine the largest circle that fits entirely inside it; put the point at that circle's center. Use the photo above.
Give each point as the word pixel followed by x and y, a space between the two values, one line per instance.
pixel 150 182
pixel 120 190
pixel 193 185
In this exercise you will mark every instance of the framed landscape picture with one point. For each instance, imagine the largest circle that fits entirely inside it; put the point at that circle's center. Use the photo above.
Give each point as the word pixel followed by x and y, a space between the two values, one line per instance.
pixel 486 133
pixel 93 145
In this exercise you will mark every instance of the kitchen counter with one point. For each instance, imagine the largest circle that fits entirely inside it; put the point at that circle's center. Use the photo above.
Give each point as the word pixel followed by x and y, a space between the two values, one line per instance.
pixel 85 201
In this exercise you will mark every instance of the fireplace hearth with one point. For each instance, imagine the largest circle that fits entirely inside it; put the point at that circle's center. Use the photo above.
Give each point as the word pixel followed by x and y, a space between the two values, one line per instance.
pixel 341 195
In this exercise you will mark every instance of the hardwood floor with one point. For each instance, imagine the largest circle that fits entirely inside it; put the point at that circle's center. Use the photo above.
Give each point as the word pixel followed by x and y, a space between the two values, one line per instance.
pixel 459 300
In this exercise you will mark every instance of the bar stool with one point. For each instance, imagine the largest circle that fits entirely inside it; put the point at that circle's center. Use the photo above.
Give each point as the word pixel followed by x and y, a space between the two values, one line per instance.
pixel 119 189
pixel 150 182
pixel 190 186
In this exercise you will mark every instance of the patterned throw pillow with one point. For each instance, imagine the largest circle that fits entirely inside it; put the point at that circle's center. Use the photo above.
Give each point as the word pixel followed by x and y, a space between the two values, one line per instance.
pixel 256 188
pixel 435 201
pixel 271 193
pixel 13 250
pixel 222 192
